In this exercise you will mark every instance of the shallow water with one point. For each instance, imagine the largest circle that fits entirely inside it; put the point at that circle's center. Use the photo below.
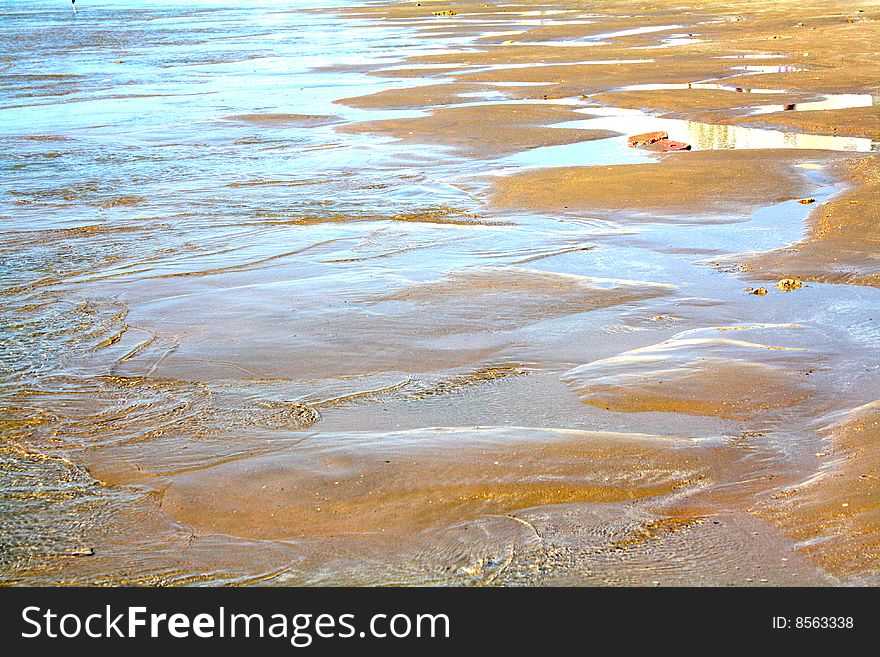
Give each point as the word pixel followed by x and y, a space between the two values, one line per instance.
pixel 700 136
pixel 243 346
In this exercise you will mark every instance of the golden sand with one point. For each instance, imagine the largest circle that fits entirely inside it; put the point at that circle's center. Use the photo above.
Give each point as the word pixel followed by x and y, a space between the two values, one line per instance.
pixel 422 392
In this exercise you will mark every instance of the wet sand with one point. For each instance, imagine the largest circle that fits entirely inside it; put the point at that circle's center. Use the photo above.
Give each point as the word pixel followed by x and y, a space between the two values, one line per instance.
pixel 841 245
pixel 392 301
pixel 836 515
pixel 702 182
pixel 514 128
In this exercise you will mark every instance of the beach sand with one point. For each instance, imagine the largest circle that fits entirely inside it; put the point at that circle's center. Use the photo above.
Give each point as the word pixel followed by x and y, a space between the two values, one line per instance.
pixel 402 307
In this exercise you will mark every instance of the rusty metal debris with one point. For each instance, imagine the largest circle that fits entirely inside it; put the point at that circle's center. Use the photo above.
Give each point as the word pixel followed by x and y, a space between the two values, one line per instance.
pixel 657 141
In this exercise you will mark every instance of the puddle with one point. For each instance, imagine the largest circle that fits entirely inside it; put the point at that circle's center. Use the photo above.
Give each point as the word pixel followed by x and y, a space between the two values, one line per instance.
pixel 770 227
pixel 488 95
pixel 701 136
pixel 636 31
pixel 671 42
pixel 757 55
pixel 552 22
pixel 829 102
pixel 586 62
pixel 759 69
pixel 602 152
pixel 538 12
pixel 518 84
pixel 421 67
pixel 553 44
pixel 711 86
pixel 602 39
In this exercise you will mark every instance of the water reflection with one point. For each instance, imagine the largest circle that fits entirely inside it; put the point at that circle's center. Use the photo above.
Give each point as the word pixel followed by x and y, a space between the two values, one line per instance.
pixel 204 277
pixel 828 102
pixel 701 136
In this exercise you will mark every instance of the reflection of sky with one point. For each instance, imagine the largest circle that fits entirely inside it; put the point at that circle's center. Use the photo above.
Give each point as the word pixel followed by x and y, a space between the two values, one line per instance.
pixel 137 4
pixel 829 102
pixel 683 86
pixel 168 63
pixel 701 136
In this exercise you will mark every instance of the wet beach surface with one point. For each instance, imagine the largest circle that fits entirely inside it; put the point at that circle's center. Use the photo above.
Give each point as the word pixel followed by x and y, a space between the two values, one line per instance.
pixel 354 293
